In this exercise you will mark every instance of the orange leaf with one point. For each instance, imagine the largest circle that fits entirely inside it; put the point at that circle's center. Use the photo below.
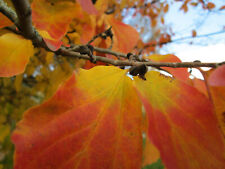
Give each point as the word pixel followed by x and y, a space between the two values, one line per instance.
pixel 194 33
pixel 88 6
pixel 166 8
pixel 180 73
pixel 54 18
pixel 200 85
pixel 218 96
pixel 125 36
pixel 4 21
pixel 210 5
pixel 182 124
pixel 216 83
pixel 15 54
pixel 92 122
pixel 222 7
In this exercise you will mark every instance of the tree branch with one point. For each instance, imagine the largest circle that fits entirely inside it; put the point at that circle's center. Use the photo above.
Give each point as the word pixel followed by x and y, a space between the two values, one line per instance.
pixel 66 52
pixel 23 11
pixel 7 11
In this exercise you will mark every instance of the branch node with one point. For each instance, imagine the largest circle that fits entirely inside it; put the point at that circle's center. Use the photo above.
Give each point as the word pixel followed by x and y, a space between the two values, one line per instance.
pixel 139 71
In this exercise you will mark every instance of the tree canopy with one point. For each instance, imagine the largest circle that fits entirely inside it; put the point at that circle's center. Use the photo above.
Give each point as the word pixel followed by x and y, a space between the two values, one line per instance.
pixel 79 88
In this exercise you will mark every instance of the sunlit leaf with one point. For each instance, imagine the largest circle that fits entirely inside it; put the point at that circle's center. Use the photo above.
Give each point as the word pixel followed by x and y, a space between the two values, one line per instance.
pixel 14 55
pixel 180 73
pixel 182 123
pixel 200 85
pixel 125 36
pixel 93 121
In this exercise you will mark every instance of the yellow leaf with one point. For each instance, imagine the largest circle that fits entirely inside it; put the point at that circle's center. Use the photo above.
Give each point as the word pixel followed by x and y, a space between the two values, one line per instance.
pixel 15 54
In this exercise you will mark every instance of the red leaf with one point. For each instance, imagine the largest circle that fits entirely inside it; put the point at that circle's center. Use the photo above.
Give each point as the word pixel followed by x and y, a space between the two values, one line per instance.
pixel 4 21
pixel 217 77
pixel 92 122
pixel 182 123
pixel 125 36
pixel 180 73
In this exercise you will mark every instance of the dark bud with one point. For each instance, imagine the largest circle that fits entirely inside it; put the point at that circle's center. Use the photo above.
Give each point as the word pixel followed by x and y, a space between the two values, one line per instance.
pixel 197 61
pixel 109 33
pixel 139 71
pixel 104 36
pixel 91 48
pixel 94 1
pixel 128 55
pixel 84 50
pixel 122 67
pixel 87 50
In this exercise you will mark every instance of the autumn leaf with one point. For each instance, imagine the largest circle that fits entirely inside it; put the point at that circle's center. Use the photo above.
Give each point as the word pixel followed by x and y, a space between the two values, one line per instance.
pixel 88 6
pixel 4 21
pixel 217 77
pixel 210 5
pixel 102 5
pixel 200 85
pixel 216 81
pixel 125 36
pixel 166 8
pixel 54 18
pixel 222 7
pixel 180 73
pixel 194 33
pixel 182 123
pixel 93 121
pixel 15 54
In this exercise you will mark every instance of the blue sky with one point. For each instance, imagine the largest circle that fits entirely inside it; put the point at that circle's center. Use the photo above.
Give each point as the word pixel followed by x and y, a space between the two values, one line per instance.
pixel 207 49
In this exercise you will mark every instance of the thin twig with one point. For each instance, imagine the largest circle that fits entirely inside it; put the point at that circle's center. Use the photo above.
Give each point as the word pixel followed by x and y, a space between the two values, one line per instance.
pixel 184 38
